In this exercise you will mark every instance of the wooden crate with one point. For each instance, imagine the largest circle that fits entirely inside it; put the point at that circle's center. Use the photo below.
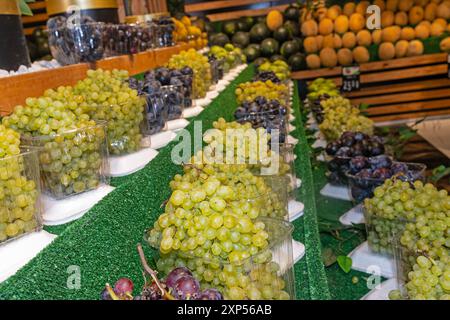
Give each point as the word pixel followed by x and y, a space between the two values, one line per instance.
pixel 222 10
pixel 398 89
pixel 16 89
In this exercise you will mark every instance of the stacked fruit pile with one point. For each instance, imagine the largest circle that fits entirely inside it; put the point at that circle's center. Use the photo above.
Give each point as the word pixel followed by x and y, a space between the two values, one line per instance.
pixel 418 215
pixel 275 36
pixel 212 225
pixel 185 31
pixel 339 35
pixel 19 212
pixel 200 66
pixel 279 67
pixel 249 91
pixel 68 124
pixel 336 115
pixel 232 56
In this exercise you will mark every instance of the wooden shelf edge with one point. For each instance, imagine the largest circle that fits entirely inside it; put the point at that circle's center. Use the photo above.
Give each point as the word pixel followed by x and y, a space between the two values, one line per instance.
pixel 16 89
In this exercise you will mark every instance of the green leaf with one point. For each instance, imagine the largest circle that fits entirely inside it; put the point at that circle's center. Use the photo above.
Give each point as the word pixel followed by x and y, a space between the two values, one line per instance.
pixel 24 8
pixel 438 173
pixel 363 106
pixel 328 257
pixel 406 133
pixel 345 263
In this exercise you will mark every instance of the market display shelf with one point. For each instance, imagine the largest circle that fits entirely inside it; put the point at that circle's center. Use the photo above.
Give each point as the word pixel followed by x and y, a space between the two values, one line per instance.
pixel 15 89
pixel 103 242
pixel 397 89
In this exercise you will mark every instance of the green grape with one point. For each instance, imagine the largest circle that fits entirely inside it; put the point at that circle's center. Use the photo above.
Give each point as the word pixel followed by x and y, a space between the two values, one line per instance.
pixel 18 194
pixel 248 91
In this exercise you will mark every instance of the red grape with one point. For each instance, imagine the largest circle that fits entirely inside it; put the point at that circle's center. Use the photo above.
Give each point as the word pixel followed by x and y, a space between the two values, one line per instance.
pixel 176 274
pixel 186 288
pixel 123 286
pixel 210 294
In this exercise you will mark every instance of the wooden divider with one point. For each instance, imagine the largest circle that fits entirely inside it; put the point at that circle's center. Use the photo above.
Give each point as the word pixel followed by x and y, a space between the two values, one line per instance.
pixel 15 89
pixel 38 19
pixel 398 89
pixel 233 9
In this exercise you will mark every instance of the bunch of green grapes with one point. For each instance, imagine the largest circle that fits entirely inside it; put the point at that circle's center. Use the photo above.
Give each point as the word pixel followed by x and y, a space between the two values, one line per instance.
pixel 71 147
pixel 418 214
pixel 321 87
pixel 424 278
pixel 231 55
pixel 248 91
pixel 202 70
pixel 341 116
pixel 255 279
pixel 18 195
pixel 73 162
pixel 109 98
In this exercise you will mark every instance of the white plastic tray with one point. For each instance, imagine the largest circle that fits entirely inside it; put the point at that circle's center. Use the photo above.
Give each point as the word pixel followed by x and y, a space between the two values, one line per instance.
pixel 162 139
pixel 295 209
pixel 201 102
pixel 127 164
pixel 353 216
pixel 381 292
pixel 291 140
pixel 365 260
pixel 178 124
pixel 336 192
pixel 57 212
pixel 16 254
pixel 192 112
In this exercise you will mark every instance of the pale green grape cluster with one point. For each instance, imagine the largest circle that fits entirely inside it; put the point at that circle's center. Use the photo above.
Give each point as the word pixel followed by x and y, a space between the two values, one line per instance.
pixel 416 217
pixel 340 116
pixel 18 194
pixel 201 67
pixel 320 87
pixel 249 91
pixel 256 279
pixel 71 147
pixel 109 98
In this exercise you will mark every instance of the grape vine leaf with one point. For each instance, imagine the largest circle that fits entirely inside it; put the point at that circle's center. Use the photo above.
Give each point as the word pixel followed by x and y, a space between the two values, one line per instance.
pixel 345 263
pixel 24 8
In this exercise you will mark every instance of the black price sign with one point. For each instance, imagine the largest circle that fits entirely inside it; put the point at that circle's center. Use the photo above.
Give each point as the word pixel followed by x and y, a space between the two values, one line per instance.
pixel 350 78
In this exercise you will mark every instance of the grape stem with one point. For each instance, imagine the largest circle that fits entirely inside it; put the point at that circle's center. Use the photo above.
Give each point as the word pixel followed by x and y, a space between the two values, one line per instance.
pixel 153 273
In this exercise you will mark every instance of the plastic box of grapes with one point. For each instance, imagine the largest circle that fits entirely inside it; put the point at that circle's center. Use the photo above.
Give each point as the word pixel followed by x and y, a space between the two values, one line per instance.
pixel 72 162
pixel 362 187
pixel 266 275
pixel 71 44
pixel 20 209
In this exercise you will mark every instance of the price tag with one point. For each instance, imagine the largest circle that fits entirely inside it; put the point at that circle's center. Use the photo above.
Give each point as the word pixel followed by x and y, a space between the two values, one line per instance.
pixel 350 78
pixel 448 65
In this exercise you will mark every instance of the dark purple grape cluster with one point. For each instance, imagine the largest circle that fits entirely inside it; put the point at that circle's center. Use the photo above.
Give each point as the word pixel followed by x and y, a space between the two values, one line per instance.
pixel 179 283
pixel 351 145
pixel 266 76
pixel 366 174
pixel 163 29
pixel 120 39
pixel 72 43
pixel 217 71
pixel 317 109
pixel 263 113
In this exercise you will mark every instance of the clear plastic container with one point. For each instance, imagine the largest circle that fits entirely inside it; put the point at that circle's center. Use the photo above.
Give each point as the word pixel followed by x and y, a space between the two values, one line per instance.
pixel 270 120
pixel 188 89
pixel 163 28
pixel 20 188
pixel 382 233
pixel 362 188
pixel 121 39
pixel 266 275
pixel 156 114
pixel 72 162
pixel 75 43
pixel 174 100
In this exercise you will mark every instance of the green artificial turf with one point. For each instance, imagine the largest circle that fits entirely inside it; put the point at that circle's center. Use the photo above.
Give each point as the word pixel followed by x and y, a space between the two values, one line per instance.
pixel 102 244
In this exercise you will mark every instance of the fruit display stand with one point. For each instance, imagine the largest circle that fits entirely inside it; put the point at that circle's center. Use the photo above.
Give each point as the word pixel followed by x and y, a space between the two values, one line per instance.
pixel 102 243
pixel 16 89
pixel 398 89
